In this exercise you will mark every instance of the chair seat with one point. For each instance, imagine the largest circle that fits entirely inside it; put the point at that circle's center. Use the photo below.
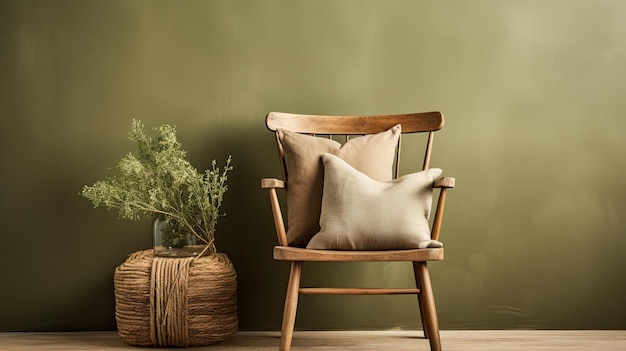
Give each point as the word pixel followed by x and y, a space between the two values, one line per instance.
pixel 288 253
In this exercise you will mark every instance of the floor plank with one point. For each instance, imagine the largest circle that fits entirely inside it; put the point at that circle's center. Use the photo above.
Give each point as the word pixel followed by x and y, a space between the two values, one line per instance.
pixel 501 340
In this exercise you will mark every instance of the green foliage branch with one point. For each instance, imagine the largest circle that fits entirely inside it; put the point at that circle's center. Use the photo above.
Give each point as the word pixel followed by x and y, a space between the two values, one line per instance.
pixel 158 182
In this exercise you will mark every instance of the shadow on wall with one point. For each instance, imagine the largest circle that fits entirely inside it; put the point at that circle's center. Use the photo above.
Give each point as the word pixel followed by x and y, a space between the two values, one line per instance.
pixel 247 233
pixel 247 236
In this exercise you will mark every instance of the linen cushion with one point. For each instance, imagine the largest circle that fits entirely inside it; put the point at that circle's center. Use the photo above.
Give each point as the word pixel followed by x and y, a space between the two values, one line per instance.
pixel 371 154
pixel 360 213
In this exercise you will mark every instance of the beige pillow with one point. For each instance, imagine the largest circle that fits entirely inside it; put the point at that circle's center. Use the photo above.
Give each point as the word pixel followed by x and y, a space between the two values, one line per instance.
pixel 371 154
pixel 359 213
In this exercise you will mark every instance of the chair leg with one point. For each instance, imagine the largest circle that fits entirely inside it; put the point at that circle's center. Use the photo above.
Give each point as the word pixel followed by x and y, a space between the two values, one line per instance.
pixel 291 305
pixel 419 301
pixel 428 305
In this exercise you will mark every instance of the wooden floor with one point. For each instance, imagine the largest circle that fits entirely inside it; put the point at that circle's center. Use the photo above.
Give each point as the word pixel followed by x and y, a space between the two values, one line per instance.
pixel 502 340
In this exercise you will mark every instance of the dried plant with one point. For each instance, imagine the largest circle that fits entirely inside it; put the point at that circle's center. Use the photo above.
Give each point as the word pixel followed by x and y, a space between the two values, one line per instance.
pixel 158 182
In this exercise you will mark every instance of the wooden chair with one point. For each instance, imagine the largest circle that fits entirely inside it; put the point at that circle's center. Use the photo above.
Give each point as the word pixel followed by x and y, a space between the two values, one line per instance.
pixel 316 125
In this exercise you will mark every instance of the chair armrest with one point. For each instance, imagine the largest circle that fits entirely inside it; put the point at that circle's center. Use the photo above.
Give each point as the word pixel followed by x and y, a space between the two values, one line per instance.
pixel 269 183
pixel 444 182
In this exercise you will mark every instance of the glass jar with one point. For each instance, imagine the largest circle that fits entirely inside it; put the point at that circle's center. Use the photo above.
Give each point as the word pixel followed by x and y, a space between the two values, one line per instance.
pixel 169 242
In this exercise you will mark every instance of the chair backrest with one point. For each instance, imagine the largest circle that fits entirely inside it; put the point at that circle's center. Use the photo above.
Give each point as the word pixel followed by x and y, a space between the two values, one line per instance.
pixel 423 122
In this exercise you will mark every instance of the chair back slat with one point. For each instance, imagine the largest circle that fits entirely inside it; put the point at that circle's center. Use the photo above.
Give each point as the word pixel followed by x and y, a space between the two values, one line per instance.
pixel 352 125
pixel 429 147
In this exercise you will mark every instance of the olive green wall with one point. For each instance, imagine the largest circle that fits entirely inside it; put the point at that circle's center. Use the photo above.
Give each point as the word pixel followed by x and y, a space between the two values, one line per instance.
pixel 533 92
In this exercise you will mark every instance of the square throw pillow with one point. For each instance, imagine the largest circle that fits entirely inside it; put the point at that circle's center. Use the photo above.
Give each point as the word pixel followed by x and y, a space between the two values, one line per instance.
pixel 373 155
pixel 360 213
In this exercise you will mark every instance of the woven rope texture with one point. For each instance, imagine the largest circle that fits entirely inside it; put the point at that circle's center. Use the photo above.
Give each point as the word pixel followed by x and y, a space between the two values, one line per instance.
pixel 175 301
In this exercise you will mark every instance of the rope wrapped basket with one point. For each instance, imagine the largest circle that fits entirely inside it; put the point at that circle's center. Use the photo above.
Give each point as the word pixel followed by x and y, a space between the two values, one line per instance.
pixel 178 302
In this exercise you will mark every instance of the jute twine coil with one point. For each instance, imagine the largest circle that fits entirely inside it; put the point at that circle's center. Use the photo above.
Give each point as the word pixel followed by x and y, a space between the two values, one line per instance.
pixel 175 301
